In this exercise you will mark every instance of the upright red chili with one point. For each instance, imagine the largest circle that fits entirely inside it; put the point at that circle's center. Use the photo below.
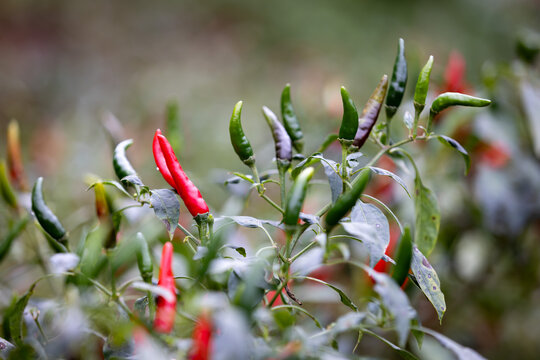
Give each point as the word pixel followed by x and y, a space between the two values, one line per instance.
pixel 164 155
pixel 166 308
pixel 202 338
pixel 160 160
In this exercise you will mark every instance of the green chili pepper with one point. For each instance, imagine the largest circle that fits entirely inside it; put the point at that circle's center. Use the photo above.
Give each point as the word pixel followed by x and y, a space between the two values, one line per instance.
pixel 121 164
pixel 296 196
pixel 370 113
pixel 420 93
pixel 144 260
pixel 5 187
pixel 290 120
pixel 239 141
pixel 398 82
pixel 281 138
pixel 347 200
pixel 46 218
pixel 403 257
pixel 422 86
pixel 12 235
pixel 448 99
pixel 349 123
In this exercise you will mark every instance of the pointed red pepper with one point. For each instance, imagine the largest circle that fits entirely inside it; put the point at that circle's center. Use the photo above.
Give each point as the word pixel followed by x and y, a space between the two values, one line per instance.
pixel 202 339
pixel 160 160
pixel 164 155
pixel 166 308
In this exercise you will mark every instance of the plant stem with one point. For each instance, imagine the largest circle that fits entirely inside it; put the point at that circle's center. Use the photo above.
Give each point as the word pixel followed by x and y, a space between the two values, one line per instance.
pixel 282 187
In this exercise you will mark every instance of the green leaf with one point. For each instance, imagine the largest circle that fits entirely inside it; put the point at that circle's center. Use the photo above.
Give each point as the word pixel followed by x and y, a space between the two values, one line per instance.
pixel 298 308
pixel 5 245
pixel 428 281
pixel 342 296
pixel 428 217
pixel 402 352
pixel 310 161
pixel 132 179
pixel 390 174
pixel 454 144
pixel 16 316
pixel 461 352
pixel 114 183
pixel 167 208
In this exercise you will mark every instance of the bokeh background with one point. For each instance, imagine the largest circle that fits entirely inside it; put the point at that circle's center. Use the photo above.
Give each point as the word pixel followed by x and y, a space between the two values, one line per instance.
pixel 64 65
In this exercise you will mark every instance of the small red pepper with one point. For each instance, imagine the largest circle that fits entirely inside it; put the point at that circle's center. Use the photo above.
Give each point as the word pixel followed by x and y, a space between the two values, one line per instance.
pixel 164 155
pixel 166 308
pixel 202 338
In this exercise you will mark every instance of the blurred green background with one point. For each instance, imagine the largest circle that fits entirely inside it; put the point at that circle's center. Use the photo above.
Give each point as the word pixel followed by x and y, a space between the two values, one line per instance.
pixel 65 64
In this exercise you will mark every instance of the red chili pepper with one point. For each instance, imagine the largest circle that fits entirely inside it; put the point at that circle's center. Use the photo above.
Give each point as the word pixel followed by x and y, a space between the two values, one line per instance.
pixel 186 189
pixel 160 160
pixel 202 339
pixel 166 308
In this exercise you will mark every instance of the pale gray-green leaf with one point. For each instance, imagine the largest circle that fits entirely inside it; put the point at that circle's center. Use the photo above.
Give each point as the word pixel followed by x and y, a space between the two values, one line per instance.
pixel 428 281
pixel 372 215
pixel 336 184
pixel 380 171
pixel 367 233
pixel 461 352
pixel 396 302
pixel 167 208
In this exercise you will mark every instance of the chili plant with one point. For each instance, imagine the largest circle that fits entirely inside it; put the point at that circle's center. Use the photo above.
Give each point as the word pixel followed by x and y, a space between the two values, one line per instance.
pixel 228 301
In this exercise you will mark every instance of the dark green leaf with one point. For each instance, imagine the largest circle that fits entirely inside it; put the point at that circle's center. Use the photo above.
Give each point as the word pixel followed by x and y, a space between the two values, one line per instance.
pixel 402 352
pixel 428 217
pixel 310 161
pixel 342 296
pixel 15 319
pixel 454 144
pixel 428 281
pixel 5 245
pixel 167 208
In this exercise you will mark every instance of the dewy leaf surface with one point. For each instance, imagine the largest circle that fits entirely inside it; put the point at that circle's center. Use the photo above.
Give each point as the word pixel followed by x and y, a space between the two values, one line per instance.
pixel 429 281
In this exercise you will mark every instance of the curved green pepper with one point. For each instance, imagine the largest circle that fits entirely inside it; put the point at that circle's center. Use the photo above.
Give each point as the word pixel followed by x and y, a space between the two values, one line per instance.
pixel 5 187
pixel 46 218
pixel 281 138
pixel 420 93
pixel 349 123
pixel 346 200
pixel 422 86
pixel 144 260
pixel 403 257
pixel 398 82
pixel 296 196
pixel 370 113
pixel 448 99
pixel 121 164
pixel 290 120
pixel 239 141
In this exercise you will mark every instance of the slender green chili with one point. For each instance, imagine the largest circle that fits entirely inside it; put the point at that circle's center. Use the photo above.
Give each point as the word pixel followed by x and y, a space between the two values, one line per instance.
pixel 403 257
pixel 397 84
pixel 296 196
pixel 239 141
pixel 144 260
pixel 349 123
pixel 448 99
pixel 290 119
pixel 420 93
pixel 121 164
